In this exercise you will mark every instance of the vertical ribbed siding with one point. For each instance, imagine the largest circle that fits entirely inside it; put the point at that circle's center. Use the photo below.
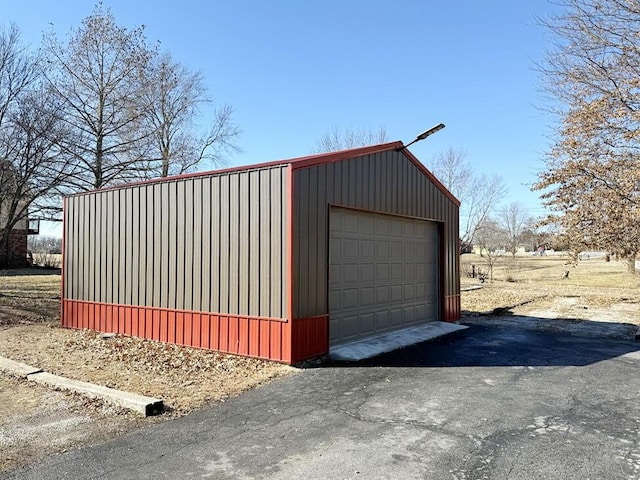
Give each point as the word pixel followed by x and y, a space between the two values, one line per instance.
pixel 213 244
pixel 384 182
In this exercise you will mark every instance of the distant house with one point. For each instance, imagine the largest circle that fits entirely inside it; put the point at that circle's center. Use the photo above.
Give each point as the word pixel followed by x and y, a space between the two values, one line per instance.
pixel 13 252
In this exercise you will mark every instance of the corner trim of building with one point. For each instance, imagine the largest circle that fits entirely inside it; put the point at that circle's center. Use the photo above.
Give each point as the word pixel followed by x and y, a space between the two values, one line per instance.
pixel 310 337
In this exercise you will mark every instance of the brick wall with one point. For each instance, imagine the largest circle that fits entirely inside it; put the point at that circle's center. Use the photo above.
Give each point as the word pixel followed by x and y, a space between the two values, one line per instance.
pixel 17 250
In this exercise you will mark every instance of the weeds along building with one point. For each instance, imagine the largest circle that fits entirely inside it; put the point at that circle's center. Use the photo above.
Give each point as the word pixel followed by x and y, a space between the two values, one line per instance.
pixel 279 261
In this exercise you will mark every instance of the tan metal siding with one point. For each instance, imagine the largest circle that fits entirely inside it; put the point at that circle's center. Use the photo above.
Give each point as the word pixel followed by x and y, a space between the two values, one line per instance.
pixel 243 244
pixel 183 236
pixel 197 247
pixel 254 236
pixel 207 247
pixel 213 243
pixel 278 192
pixel 383 182
pixel 171 245
pixel 234 240
pixel 264 225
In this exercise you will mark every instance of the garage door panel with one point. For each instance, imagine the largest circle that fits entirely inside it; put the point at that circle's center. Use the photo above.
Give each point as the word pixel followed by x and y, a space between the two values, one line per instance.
pixel 408 292
pixel 350 222
pixel 408 272
pixel 383 274
pixel 382 295
pixel 382 226
pixel 395 293
pixel 409 314
pixel 367 274
pixel 350 325
pixel 408 229
pixel 334 300
pixel 348 298
pixel 395 227
pixel 367 249
pixel 335 222
pixel 335 250
pixel 350 248
pixel 396 272
pixel 349 274
pixel 367 323
pixel 408 251
pixel 367 297
pixel 382 250
pixel 421 273
pixel 432 277
pixel 395 317
pixel 335 275
pixel 367 224
pixel 421 229
pixel 381 320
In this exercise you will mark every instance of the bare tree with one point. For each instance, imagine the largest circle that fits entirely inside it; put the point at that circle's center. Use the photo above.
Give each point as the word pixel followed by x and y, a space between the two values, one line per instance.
pixel 491 238
pixel 592 177
pixel 478 194
pixel 173 99
pixel 346 138
pixel 515 221
pixel 485 194
pixel 31 170
pixel 98 77
pixel 454 170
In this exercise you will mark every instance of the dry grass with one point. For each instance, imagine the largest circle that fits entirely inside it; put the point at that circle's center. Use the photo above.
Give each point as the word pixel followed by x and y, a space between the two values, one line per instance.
pixel 29 295
pixel 537 282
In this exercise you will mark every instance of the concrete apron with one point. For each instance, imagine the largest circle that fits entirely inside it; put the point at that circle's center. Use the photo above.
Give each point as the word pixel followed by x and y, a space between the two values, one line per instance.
pixel 386 342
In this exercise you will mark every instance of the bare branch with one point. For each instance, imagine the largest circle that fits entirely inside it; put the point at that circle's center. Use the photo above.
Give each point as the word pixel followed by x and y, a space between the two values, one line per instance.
pixel 346 138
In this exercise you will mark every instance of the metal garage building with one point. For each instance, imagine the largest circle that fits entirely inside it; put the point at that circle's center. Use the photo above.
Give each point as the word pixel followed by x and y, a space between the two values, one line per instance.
pixel 278 261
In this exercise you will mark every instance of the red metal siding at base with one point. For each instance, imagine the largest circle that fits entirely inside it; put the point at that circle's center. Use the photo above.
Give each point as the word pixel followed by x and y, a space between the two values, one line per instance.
pixel 451 310
pixel 310 337
pixel 266 338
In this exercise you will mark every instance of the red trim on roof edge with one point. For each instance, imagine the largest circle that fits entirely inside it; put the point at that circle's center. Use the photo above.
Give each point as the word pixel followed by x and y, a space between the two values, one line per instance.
pixel 331 157
pixel 299 163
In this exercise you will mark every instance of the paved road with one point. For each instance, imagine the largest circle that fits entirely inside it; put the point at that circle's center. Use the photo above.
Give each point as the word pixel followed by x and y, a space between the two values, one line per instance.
pixel 488 402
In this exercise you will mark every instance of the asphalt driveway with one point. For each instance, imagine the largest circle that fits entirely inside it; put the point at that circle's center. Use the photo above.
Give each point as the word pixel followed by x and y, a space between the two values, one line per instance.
pixel 489 402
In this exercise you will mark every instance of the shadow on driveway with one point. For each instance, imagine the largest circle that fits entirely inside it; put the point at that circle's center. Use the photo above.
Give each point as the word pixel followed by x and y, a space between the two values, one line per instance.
pixel 519 341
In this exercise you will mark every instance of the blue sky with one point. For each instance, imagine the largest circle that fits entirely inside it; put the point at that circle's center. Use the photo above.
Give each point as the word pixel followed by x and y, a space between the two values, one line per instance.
pixel 292 70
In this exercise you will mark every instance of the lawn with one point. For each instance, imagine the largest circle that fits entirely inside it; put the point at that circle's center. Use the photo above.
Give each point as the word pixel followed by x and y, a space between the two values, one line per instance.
pixel 536 281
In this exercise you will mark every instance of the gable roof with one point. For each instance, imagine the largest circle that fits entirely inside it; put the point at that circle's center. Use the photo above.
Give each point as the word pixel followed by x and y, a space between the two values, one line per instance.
pixel 306 162
pixel 331 157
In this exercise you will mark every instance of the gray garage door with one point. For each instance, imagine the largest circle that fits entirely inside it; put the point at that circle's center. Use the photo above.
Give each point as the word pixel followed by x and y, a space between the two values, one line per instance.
pixel 383 273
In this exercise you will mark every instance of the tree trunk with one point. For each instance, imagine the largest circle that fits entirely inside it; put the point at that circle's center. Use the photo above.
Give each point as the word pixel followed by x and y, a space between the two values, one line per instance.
pixel 4 249
pixel 631 264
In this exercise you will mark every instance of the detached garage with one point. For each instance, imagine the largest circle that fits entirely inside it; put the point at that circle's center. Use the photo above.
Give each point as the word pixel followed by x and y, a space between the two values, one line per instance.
pixel 280 261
